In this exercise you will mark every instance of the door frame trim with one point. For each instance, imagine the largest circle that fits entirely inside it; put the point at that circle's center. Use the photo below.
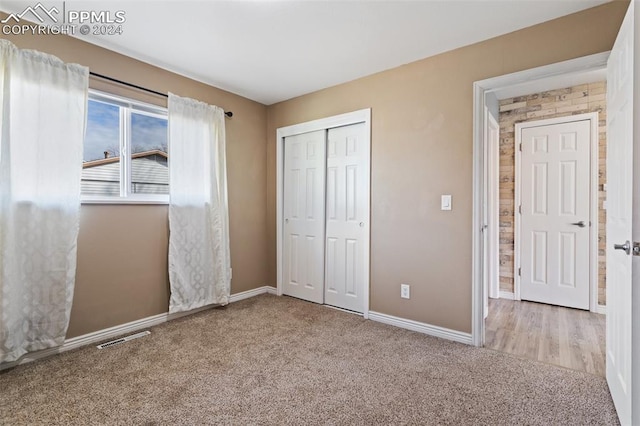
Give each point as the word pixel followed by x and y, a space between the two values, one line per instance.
pixel 585 64
pixel 355 117
pixel 492 221
pixel 593 118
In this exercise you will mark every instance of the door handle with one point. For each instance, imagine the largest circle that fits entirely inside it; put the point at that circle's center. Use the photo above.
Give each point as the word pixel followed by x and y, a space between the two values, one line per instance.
pixel 626 247
pixel 581 224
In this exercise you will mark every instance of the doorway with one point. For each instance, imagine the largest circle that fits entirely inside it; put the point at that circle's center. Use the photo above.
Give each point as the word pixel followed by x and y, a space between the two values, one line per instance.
pixel 623 202
pixel 486 97
pixel 538 217
pixel 623 95
pixel 538 106
pixel 323 200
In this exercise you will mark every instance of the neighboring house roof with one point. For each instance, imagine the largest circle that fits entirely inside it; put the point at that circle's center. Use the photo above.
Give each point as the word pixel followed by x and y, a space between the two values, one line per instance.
pixel 149 174
pixel 109 160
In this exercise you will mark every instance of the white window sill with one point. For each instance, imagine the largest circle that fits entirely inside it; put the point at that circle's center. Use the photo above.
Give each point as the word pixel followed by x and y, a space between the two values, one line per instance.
pixel 131 200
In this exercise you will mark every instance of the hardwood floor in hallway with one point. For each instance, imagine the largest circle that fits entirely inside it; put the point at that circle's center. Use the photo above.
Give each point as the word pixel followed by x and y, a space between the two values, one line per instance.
pixel 566 337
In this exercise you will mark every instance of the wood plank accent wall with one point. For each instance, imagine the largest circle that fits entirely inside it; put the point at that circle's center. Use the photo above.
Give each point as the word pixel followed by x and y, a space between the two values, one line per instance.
pixel 538 106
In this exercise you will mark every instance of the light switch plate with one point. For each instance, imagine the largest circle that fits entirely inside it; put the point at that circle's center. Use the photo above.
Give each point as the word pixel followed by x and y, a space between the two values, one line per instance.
pixel 405 291
pixel 445 202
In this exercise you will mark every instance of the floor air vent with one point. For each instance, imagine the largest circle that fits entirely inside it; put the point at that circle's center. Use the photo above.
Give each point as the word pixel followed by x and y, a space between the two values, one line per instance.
pixel 123 339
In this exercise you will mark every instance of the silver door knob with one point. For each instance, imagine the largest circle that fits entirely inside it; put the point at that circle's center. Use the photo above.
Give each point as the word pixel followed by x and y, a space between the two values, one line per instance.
pixel 581 224
pixel 286 221
pixel 361 224
pixel 626 247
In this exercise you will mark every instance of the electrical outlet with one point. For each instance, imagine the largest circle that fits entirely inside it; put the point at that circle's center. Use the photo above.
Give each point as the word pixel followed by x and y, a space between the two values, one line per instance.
pixel 405 291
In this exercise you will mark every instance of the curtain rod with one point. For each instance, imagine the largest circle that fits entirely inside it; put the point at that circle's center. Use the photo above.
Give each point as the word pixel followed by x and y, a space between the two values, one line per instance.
pixel 135 86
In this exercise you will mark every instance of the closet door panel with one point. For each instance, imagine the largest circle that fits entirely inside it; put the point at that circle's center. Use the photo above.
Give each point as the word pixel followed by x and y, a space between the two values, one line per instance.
pixel 347 216
pixel 304 216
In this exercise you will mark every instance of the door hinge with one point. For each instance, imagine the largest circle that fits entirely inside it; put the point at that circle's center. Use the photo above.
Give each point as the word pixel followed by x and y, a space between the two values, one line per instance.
pixel 520 209
pixel 520 148
pixel 519 272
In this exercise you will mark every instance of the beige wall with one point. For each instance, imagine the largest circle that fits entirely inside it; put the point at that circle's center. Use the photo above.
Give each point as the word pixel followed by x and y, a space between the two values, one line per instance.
pixel 538 106
pixel 422 148
pixel 122 250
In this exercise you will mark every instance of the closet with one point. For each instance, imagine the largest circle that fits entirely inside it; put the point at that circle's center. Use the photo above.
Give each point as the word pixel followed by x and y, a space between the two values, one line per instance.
pixel 324 250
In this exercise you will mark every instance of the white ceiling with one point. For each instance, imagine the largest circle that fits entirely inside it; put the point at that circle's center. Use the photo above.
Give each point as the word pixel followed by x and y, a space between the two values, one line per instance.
pixel 270 51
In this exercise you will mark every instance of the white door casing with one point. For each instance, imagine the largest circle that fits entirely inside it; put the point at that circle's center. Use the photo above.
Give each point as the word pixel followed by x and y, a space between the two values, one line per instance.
pixel 304 216
pixel 486 212
pixel 620 99
pixel 347 212
pixel 492 210
pixel 554 182
pixel 486 258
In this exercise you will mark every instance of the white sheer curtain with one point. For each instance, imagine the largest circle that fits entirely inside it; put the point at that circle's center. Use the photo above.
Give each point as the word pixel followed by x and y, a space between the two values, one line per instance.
pixel 42 109
pixel 199 259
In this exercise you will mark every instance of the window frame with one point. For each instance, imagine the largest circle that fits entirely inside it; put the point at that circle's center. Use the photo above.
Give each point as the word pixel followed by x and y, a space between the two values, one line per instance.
pixel 127 107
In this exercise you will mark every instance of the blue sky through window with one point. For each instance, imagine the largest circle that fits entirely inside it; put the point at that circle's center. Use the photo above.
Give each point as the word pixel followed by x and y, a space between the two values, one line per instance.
pixel 103 131
pixel 148 133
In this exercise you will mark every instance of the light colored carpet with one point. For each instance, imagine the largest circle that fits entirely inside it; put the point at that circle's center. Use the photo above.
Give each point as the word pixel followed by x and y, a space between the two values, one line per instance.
pixel 278 360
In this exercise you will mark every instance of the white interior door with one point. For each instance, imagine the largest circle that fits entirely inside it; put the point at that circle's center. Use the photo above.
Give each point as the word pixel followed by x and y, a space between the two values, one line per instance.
pixel 304 216
pixel 555 218
pixel 347 215
pixel 620 98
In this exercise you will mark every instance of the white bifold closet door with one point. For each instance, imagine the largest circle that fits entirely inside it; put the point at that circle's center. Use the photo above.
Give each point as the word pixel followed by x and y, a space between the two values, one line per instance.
pixel 347 210
pixel 304 220
pixel 326 209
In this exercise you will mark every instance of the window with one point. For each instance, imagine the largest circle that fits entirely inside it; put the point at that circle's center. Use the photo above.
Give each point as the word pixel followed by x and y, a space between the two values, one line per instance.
pixel 125 152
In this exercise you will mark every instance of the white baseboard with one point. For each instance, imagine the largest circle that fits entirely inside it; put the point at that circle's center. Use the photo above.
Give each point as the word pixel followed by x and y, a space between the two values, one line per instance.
pixel 507 295
pixel 601 309
pixel 122 329
pixel 420 327
pixel 252 293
